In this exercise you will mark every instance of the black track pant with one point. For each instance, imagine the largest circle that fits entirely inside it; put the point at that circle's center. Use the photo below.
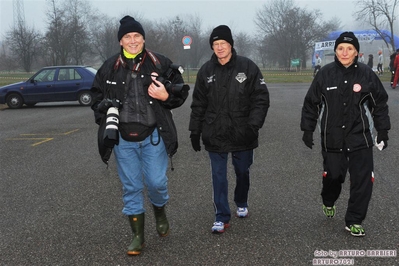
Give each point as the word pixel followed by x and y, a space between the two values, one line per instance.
pixel 360 166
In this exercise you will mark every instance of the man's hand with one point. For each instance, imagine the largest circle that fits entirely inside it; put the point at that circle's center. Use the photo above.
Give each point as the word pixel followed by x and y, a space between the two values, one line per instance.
pixel 383 136
pixel 195 141
pixel 308 138
pixel 156 89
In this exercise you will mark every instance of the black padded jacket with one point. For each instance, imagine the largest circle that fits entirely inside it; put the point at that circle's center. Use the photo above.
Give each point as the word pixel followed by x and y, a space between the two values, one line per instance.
pixel 110 82
pixel 230 104
pixel 346 103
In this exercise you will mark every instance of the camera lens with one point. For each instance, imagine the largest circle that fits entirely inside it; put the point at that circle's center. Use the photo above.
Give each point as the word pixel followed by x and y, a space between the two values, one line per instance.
pixel 111 135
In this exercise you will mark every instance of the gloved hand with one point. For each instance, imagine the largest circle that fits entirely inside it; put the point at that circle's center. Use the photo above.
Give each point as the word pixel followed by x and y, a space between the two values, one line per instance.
pixel 195 141
pixel 383 136
pixel 308 138
pixel 104 105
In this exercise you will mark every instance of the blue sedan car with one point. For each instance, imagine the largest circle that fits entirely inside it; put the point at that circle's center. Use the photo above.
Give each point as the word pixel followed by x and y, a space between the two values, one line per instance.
pixel 51 84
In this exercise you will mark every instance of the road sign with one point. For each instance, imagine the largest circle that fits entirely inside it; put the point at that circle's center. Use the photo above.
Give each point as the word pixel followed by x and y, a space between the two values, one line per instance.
pixel 186 40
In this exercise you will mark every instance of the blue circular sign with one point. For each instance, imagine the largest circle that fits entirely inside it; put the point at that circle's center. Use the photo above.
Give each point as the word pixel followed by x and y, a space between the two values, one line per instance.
pixel 187 40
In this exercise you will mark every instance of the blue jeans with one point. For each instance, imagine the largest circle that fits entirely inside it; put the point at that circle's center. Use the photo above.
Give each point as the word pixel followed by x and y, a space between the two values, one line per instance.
pixel 242 161
pixel 140 163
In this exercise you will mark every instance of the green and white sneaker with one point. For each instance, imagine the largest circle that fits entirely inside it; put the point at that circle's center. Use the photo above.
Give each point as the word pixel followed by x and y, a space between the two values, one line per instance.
pixel 356 229
pixel 329 211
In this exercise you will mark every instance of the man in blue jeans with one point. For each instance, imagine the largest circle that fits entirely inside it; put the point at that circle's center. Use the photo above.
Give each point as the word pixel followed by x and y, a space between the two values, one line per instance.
pixel 145 137
pixel 230 103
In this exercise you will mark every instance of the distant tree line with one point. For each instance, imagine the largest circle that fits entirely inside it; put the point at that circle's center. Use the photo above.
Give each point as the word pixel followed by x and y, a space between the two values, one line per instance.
pixel 76 33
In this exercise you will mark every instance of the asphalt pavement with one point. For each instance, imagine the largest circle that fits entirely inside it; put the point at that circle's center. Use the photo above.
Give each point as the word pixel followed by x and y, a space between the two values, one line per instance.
pixel 60 205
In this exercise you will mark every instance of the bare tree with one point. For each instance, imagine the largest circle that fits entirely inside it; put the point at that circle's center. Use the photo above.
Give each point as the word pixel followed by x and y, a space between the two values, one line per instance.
pixel 199 49
pixel 57 42
pixel 104 37
pixel 24 43
pixel 67 34
pixel 78 16
pixel 242 44
pixel 290 31
pixel 165 37
pixel 379 14
pixel 7 63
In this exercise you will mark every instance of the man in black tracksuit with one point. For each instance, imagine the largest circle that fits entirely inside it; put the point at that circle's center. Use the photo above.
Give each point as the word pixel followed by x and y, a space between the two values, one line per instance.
pixel 346 98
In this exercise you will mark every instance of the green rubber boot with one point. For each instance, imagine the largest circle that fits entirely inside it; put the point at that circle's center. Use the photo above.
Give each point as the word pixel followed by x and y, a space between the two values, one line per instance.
pixel 162 223
pixel 137 224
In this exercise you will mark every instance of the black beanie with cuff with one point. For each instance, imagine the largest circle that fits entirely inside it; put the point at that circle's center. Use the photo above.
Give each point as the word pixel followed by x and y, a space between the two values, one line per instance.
pixel 221 32
pixel 129 24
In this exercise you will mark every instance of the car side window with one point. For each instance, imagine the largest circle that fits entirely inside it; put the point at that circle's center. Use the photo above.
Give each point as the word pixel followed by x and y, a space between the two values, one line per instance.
pixel 68 74
pixel 45 75
pixel 74 74
pixel 62 74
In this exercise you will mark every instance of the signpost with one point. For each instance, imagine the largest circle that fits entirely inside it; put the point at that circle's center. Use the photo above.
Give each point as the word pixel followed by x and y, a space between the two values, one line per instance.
pixel 187 40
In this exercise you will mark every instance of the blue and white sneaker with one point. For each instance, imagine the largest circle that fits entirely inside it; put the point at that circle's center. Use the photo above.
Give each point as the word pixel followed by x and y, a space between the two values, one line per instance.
pixel 218 227
pixel 242 212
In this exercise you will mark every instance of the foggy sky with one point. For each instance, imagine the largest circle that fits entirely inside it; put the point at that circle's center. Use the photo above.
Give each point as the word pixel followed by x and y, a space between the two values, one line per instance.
pixel 238 15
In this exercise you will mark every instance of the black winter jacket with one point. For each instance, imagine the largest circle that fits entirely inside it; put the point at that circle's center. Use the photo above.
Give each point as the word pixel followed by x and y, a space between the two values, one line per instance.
pixel 229 106
pixel 110 83
pixel 346 102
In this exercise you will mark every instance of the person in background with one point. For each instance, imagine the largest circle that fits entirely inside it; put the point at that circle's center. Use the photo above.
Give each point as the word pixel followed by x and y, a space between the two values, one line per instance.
pixel 396 67
pixel 361 58
pixel 391 65
pixel 380 69
pixel 229 106
pixel 145 136
pixel 346 100
pixel 317 64
pixel 370 62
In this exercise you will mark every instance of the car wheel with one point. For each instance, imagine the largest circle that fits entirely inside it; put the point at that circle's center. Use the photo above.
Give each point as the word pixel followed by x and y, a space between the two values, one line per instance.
pixel 85 98
pixel 14 101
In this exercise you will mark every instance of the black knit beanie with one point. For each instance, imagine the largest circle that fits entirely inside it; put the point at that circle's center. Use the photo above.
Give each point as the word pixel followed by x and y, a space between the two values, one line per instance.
pixel 221 32
pixel 129 24
pixel 347 37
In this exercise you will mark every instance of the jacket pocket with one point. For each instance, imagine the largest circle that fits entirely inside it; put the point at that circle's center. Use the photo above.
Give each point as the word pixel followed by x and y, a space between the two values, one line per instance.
pixel 208 129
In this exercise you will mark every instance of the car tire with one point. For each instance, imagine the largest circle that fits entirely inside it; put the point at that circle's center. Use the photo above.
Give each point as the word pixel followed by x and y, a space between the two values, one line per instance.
pixel 85 98
pixel 14 101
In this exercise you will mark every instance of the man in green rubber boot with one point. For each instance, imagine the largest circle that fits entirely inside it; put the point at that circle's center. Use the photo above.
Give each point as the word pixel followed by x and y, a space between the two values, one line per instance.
pixel 144 136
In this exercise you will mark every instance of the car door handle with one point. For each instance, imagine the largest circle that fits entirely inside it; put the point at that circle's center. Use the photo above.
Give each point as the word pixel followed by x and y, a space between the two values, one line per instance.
pixel 48 86
pixel 77 84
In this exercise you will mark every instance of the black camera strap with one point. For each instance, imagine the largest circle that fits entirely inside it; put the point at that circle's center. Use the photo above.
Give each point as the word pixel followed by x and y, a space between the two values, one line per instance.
pixel 154 60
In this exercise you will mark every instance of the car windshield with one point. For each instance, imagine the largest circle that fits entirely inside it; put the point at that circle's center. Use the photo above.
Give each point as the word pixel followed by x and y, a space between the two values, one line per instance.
pixel 45 75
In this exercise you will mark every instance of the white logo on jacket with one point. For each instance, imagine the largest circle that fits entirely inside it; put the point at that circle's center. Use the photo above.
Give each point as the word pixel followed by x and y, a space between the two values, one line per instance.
pixel 241 77
pixel 332 88
pixel 111 82
pixel 211 78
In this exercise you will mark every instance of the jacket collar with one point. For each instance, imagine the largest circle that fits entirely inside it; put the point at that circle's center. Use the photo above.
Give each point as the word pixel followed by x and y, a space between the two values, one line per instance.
pixel 128 63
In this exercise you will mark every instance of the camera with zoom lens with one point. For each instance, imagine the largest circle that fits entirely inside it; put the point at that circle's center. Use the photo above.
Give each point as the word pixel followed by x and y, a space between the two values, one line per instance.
pixel 180 89
pixel 106 103
pixel 111 133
